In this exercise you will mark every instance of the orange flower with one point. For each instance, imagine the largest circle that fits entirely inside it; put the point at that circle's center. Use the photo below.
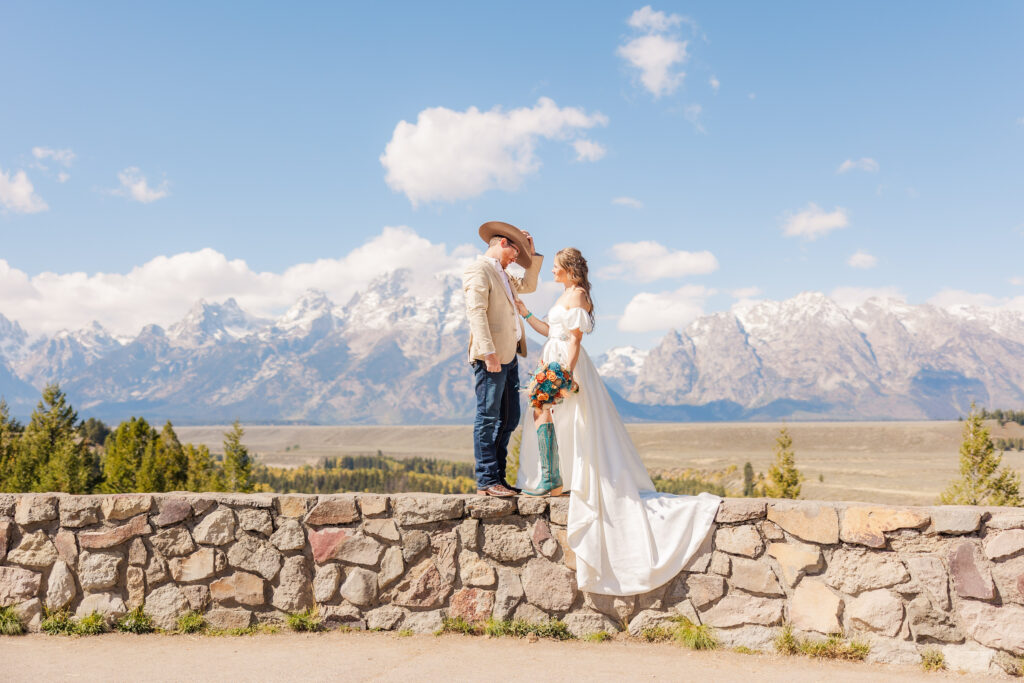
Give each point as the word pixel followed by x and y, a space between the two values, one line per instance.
pixel 551 375
pixel 540 376
pixel 542 397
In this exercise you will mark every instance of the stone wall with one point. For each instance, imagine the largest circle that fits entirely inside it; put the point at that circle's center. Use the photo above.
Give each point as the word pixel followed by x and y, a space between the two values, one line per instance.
pixel 904 579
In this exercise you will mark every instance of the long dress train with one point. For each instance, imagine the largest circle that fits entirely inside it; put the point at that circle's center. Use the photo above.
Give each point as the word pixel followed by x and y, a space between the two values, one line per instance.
pixel 628 538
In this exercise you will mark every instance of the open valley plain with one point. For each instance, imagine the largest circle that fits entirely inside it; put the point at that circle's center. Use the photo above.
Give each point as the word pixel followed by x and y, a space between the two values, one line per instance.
pixel 885 462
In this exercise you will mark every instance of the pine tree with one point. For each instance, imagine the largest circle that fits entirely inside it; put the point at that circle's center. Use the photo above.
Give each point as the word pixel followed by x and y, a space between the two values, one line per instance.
pixel 125 451
pixel 237 463
pixel 783 476
pixel 204 474
pixel 10 433
pixel 982 479
pixel 52 456
pixel 748 480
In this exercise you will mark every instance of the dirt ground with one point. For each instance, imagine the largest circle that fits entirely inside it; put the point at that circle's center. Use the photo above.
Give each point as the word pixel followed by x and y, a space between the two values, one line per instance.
pixel 388 657
pixel 882 462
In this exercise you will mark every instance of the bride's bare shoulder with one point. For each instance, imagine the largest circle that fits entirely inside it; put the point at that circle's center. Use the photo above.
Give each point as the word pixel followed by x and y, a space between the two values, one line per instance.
pixel 577 298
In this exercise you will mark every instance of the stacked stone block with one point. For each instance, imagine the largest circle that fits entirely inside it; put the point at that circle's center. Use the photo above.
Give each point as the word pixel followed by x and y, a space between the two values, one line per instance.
pixel 904 579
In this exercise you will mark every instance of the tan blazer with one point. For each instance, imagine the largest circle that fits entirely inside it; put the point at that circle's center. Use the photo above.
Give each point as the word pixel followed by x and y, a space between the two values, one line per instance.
pixel 492 317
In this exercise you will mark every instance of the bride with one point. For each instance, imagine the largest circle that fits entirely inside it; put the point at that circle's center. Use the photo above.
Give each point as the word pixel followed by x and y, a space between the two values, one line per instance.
pixel 628 538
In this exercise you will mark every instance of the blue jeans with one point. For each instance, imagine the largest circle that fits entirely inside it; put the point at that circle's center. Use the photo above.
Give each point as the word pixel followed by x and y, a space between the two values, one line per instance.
pixel 497 416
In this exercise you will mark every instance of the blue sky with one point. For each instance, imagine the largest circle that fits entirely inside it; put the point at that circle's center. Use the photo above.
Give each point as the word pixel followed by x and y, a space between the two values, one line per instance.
pixel 218 149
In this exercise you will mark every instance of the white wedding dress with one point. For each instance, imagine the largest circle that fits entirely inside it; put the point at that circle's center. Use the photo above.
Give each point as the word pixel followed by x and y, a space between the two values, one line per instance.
pixel 628 538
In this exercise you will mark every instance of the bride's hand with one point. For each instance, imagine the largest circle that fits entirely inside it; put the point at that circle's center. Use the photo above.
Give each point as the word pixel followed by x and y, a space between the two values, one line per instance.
pixel 523 310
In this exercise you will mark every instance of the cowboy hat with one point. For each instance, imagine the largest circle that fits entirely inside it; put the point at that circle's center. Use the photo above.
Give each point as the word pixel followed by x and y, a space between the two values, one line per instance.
pixel 513 234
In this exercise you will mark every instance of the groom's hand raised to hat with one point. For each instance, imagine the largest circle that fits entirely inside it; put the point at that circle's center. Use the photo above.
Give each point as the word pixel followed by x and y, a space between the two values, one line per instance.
pixel 529 238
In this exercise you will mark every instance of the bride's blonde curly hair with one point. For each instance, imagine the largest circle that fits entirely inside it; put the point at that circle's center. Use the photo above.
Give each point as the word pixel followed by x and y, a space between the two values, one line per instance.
pixel 575 265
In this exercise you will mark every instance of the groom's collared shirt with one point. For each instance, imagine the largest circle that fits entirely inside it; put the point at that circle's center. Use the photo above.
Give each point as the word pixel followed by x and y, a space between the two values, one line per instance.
pixel 508 291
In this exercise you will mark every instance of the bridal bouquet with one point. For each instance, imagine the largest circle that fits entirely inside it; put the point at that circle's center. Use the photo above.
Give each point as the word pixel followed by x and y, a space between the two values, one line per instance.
pixel 550 385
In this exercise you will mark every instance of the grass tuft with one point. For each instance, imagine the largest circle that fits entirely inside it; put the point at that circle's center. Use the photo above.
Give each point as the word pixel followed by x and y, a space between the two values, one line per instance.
pixel 191 622
pixel 833 647
pixel 657 634
pixel 59 623
pixel 458 625
pixel 91 625
pixel 136 621
pixel 307 621
pixel 404 633
pixel 689 634
pixel 10 622
pixel 932 659
pixel 744 650
pixel 598 637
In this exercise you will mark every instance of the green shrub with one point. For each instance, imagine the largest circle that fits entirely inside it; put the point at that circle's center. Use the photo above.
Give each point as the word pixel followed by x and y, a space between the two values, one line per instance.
pixel 91 625
pixel 657 634
pixel 191 622
pixel 59 623
pixel 932 659
pixel 744 650
pixel 10 622
pixel 598 637
pixel 307 621
pixel 458 625
pixel 404 633
pixel 136 621
pixel 518 628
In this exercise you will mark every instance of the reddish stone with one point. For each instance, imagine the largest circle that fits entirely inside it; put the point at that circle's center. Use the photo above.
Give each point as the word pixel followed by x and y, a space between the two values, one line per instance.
pixel 472 604
pixel 968 577
pixel 423 587
pixel 172 511
pixel 333 511
pixel 108 538
pixel 67 546
pixel 325 541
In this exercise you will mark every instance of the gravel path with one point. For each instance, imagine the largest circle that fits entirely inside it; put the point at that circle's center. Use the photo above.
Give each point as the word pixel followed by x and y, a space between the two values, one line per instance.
pixel 388 657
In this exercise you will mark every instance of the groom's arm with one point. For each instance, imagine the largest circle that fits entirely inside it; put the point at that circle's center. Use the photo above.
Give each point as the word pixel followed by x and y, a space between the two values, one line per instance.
pixel 528 283
pixel 477 292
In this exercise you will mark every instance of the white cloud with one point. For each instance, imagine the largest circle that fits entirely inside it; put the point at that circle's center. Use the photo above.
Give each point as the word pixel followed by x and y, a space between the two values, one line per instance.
pixel 813 222
pixel 135 186
pixel 862 164
pixel 64 157
pixel 692 114
pixel 17 193
pixel 648 261
pixel 62 177
pixel 714 83
pixel 956 300
pixel 862 259
pixel 449 155
pixel 647 19
pixel 852 297
pixel 752 96
pixel 163 289
pixel 1017 280
pixel 588 150
pixel 655 56
pixel 1020 121
pixel 648 312
pixel 628 201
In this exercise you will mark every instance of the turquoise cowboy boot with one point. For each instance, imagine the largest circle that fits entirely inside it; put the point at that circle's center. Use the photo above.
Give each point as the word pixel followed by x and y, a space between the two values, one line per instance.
pixel 551 477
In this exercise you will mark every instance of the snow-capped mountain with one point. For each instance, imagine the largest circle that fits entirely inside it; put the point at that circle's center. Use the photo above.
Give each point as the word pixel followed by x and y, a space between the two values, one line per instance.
pixel 395 353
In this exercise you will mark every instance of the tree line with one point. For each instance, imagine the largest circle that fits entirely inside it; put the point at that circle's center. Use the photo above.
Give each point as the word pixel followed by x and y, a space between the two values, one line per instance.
pixel 56 451
pixel 1002 416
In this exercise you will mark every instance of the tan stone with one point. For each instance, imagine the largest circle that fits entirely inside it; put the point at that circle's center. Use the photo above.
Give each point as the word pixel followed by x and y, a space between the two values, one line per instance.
pixel 164 605
pixel 290 535
pixel 475 571
pixel 487 507
pixel 259 521
pixel 532 505
pixel 999 627
pixel 772 531
pixel 867 525
pixel 67 547
pixel 98 569
pixel 618 607
pixel 814 607
pixel 195 567
pixel 1004 518
pixel 878 610
pixel 469 533
pixel 509 595
pixel 360 586
pixel 198 596
pixel 255 555
pixel 78 511
pixel 35 550
pixel 704 589
pixel 422 508
pixel 382 528
pixel 737 609
pixel 34 508
pixel 740 510
pixel 60 587
pixel 391 567
pixel 217 528
pixel 171 511
pixel 123 506
pixel 292 506
pixel 30 613
pixel 928 572
pixel 506 543
pixel 852 570
pixel 1004 544
pixel 294 589
pixel 240 587
pixel 815 522
pixel 568 556
pixel 325 582
pixel 18 585
pixel 224 618
pixel 111 536
pixel 754 577
pixel 373 504
pixel 954 520
pixel 1009 578
pixel 6 533
pixel 135 578
pixel 583 624
pixel 110 605
pixel 720 564
pixel 543 542
pixel 796 559
pixel 137 553
pixel 422 587
pixel 385 618
pixel 558 509
pixel 548 585
pixel 173 542
pixel 739 540
pixel 334 510
pixel 928 624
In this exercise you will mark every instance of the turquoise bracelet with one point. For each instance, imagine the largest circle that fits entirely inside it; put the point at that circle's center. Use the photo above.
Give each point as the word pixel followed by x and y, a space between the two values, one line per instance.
pixel 528 316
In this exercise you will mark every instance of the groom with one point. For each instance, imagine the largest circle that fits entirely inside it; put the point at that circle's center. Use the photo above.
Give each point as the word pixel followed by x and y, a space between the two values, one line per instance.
pixel 495 336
